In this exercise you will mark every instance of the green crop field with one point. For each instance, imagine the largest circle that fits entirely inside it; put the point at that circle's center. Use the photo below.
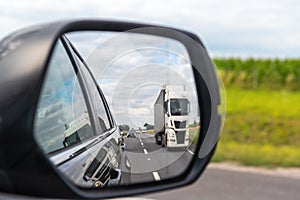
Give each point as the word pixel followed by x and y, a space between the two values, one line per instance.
pixel 273 74
pixel 262 126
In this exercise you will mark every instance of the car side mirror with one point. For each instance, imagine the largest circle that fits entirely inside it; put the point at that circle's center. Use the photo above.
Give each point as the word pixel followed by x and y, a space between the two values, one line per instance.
pixel 102 74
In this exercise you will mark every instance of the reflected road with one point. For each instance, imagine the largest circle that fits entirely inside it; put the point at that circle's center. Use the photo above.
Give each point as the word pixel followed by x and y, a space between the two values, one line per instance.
pixel 217 184
pixel 155 162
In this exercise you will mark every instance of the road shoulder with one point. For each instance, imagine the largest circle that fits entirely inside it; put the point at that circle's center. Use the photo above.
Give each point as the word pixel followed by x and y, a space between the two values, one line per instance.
pixel 278 172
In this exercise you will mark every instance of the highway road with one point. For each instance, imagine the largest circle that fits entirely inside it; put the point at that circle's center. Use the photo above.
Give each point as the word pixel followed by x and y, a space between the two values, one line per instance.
pixel 224 184
pixel 151 162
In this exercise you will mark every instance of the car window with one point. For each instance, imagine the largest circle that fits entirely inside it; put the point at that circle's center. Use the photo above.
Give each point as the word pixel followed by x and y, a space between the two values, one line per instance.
pixel 99 106
pixel 62 118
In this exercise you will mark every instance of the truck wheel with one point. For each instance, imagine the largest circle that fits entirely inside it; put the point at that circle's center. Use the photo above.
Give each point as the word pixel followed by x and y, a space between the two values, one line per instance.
pixel 164 141
pixel 158 141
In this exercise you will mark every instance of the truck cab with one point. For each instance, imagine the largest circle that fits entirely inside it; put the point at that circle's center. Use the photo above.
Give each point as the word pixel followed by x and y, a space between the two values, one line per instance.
pixel 171 117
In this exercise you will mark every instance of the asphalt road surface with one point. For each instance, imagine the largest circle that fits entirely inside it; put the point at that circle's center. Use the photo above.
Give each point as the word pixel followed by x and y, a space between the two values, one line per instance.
pixel 222 184
pixel 219 184
pixel 151 162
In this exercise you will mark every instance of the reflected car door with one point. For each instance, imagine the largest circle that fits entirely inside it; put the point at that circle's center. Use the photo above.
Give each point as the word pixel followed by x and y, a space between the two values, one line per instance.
pixel 67 126
pixel 104 168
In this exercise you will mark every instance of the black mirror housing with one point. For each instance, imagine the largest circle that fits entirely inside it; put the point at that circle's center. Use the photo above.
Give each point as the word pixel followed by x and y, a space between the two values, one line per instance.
pixel 24 57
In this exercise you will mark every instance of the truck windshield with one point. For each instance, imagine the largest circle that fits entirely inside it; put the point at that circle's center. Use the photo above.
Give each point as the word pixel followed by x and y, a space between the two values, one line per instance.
pixel 179 106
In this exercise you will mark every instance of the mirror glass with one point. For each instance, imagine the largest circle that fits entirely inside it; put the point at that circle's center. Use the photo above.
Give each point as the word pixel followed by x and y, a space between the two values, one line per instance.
pixel 134 120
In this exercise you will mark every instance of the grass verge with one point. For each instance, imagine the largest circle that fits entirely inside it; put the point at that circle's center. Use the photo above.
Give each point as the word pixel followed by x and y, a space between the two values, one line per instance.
pixel 258 155
pixel 262 128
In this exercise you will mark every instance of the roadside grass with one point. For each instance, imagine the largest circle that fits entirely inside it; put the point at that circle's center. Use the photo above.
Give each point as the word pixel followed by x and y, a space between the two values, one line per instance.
pixel 151 131
pixel 269 103
pixel 262 128
pixel 194 134
pixel 257 154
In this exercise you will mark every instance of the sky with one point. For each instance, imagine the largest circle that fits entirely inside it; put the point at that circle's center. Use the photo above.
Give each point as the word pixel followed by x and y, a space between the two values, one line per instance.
pixel 131 70
pixel 231 28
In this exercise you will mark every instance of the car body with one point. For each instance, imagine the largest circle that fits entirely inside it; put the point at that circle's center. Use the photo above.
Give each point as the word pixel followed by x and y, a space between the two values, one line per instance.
pixel 87 151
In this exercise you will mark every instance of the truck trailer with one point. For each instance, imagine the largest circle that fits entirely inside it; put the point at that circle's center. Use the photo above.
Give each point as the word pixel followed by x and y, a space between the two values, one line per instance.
pixel 171 117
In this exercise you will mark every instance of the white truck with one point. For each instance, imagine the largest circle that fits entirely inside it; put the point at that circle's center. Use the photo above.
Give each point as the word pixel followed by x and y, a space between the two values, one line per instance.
pixel 171 117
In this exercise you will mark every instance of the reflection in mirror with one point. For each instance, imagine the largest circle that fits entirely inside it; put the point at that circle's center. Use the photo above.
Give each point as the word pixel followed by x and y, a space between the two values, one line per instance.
pixel 140 124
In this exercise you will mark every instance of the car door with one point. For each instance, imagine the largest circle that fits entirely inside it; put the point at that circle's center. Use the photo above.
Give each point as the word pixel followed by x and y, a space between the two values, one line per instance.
pixel 107 129
pixel 68 126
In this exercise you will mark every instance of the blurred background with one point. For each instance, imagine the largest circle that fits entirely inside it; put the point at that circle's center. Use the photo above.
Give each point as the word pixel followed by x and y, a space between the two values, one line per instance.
pixel 255 46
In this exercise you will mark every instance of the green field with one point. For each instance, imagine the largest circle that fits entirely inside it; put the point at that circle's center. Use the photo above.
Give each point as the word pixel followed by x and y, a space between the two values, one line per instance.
pixel 194 134
pixel 263 117
pixel 262 126
pixel 267 155
pixel 272 74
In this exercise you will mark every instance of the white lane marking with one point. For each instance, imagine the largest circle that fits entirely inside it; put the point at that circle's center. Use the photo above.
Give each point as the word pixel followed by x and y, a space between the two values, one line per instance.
pixel 145 151
pixel 148 159
pixel 156 176
pixel 190 152
pixel 142 144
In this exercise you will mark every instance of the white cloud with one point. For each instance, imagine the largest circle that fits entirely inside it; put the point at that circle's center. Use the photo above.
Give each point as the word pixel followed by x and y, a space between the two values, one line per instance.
pixel 232 27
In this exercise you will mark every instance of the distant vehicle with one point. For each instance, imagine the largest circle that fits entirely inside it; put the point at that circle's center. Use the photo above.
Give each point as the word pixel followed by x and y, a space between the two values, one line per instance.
pixel 171 117
pixel 131 133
